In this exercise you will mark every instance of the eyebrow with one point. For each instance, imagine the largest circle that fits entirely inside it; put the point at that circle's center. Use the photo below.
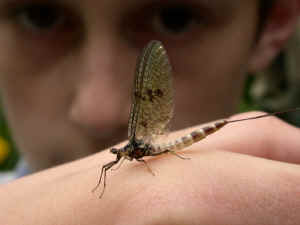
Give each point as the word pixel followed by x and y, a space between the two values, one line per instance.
pixel 223 6
pixel 218 7
pixel 12 2
pixel 213 3
pixel 219 4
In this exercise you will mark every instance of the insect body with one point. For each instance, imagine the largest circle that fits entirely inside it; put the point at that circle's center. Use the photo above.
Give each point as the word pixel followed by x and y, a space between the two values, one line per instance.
pixel 151 111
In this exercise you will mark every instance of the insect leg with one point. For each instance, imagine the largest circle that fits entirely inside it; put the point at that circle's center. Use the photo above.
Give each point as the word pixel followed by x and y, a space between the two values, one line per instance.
pixel 104 182
pixel 148 167
pixel 169 151
pixel 103 174
pixel 120 164
pixel 178 155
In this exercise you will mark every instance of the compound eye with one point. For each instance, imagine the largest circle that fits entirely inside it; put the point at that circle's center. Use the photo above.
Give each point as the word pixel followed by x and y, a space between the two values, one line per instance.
pixel 114 150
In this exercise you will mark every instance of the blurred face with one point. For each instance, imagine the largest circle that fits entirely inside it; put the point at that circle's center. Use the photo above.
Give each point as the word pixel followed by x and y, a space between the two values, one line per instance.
pixel 67 66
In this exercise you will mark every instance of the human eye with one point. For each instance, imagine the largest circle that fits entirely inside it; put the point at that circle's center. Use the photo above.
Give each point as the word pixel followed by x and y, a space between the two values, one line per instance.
pixel 169 20
pixel 173 19
pixel 39 17
pixel 36 16
pixel 42 20
pixel 40 26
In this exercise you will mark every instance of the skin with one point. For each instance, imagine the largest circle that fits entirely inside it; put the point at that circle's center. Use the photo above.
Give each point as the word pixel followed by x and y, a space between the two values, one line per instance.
pixel 220 184
pixel 230 178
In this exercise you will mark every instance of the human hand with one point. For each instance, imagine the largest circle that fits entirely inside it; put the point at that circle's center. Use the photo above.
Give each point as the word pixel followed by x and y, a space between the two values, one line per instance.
pixel 229 180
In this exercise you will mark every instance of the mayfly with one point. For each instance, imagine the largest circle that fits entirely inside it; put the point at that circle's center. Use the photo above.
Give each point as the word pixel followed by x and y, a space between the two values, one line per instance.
pixel 151 111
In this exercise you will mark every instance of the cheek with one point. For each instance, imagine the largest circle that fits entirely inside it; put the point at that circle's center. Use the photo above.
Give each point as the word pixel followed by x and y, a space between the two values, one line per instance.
pixel 39 90
pixel 26 92
pixel 211 79
pixel 30 99
pixel 36 106
pixel 22 66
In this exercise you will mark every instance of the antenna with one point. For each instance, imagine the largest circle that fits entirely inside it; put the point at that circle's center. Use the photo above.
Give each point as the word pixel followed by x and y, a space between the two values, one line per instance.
pixel 265 115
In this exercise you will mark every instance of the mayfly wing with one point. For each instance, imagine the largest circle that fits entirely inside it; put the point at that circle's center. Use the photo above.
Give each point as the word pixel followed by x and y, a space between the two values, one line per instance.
pixel 152 98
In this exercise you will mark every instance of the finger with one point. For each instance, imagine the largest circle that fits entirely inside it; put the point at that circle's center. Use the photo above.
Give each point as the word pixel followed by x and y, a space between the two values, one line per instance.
pixel 267 137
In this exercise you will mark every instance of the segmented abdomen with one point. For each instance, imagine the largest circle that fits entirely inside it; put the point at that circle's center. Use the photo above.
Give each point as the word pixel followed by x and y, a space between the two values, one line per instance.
pixel 190 139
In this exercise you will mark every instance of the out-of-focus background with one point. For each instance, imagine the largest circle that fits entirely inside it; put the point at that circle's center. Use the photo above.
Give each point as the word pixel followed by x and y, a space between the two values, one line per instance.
pixel 275 89
pixel 9 155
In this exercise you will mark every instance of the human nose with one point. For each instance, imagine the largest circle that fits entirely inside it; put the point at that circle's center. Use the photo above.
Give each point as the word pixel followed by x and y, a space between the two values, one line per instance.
pixel 101 99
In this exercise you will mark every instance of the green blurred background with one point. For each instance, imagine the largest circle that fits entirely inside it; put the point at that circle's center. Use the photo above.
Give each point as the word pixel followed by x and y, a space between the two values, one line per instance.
pixel 9 155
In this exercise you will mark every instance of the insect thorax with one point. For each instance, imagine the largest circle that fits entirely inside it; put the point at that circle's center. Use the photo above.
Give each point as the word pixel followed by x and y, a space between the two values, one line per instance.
pixel 135 149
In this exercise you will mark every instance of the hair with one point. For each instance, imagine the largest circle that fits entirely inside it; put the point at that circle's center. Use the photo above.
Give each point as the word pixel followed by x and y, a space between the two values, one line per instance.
pixel 264 10
pixel 278 86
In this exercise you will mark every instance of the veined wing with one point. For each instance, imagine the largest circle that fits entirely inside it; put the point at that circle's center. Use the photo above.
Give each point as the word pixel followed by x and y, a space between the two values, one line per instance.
pixel 152 99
